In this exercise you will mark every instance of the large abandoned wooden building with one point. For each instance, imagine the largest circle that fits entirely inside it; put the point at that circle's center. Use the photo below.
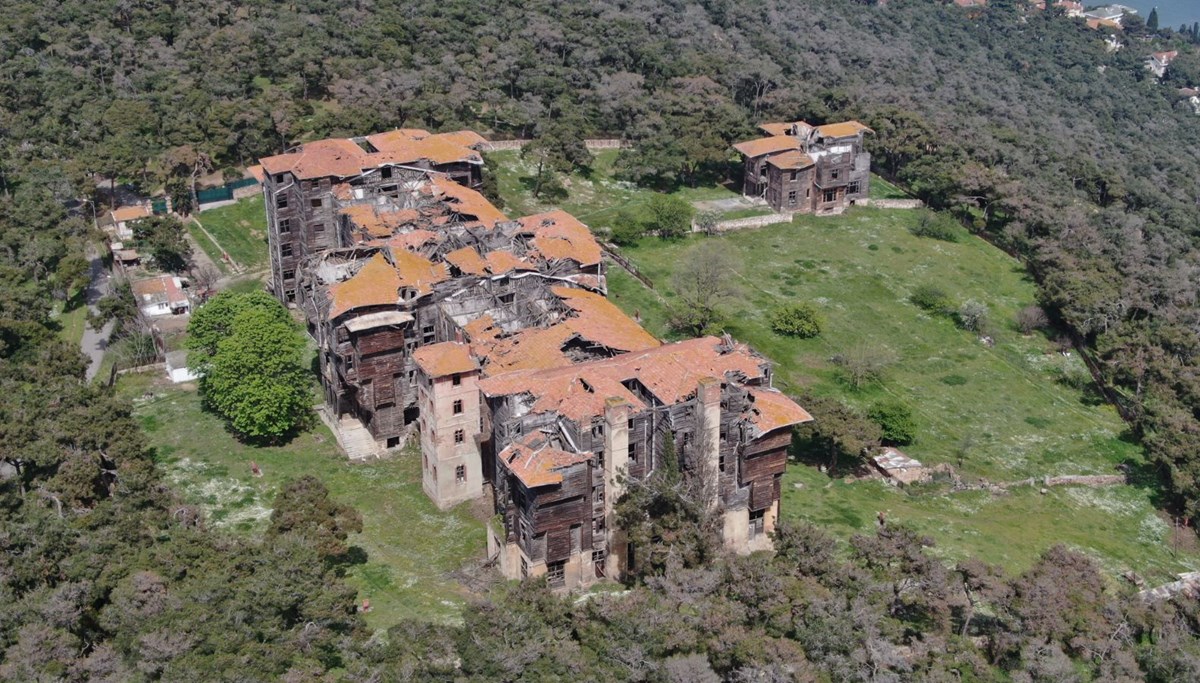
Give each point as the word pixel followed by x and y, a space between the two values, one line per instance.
pixel 802 168
pixel 493 340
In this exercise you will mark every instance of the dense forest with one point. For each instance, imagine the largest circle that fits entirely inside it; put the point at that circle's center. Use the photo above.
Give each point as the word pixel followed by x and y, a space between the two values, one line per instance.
pixel 1025 127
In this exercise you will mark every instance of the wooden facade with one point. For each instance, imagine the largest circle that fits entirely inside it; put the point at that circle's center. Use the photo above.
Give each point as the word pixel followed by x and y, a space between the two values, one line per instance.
pixel 807 169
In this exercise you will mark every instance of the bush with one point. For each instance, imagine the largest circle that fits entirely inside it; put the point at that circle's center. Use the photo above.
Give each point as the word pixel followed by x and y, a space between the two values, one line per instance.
pixel 862 365
pixel 670 217
pixel 1031 318
pixel 626 229
pixel 935 226
pixel 896 420
pixel 797 320
pixel 973 315
pixel 707 221
pixel 931 298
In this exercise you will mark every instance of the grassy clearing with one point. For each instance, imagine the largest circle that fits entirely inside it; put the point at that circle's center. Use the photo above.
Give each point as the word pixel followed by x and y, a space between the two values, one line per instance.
pixel 882 189
pixel 1118 526
pixel 209 247
pixel 859 269
pixel 411 547
pixel 241 228
pixel 71 317
pixel 594 199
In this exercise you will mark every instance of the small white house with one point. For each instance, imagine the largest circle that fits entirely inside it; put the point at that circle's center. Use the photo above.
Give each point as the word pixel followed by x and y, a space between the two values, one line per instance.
pixel 122 217
pixel 162 295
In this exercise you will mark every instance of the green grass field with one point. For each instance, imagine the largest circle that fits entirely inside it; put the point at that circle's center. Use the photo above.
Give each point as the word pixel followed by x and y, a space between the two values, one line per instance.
pixel 209 247
pixel 241 228
pixel 594 199
pixel 71 316
pixel 411 547
pixel 882 189
pixel 859 269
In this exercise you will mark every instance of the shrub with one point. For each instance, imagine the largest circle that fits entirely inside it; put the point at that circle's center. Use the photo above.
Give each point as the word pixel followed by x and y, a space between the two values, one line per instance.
pixel 973 315
pixel 896 420
pixel 862 365
pixel 935 226
pixel 625 233
pixel 931 298
pixel 670 217
pixel 707 221
pixel 797 320
pixel 1031 318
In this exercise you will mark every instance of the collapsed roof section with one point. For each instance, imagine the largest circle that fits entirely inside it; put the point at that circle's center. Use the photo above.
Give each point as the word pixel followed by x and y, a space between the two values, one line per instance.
pixel 538 459
pixel 344 158
pixel 663 375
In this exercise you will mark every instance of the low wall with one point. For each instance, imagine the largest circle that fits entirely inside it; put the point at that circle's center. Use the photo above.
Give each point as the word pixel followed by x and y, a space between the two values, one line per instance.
pixel 892 203
pixel 602 143
pixel 747 223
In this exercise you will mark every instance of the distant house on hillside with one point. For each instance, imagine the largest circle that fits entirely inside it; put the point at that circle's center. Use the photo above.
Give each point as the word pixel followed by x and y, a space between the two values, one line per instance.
pixel 807 169
pixel 1070 7
pixel 970 3
pixel 1109 13
pixel 162 295
pixel 1158 62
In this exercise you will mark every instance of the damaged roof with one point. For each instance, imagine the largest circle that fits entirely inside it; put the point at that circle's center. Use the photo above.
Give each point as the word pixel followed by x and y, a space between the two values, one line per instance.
pixel 670 373
pixel 536 462
pixel 343 157
pixel 446 358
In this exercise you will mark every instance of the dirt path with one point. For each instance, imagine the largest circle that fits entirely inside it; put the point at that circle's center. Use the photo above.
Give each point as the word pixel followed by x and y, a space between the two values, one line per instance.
pixel 235 267
pixel 94 343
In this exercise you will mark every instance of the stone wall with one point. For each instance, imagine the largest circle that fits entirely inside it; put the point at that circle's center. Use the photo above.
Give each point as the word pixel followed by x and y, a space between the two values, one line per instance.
pixel 747 223
pixel 602 143
pixel 892 203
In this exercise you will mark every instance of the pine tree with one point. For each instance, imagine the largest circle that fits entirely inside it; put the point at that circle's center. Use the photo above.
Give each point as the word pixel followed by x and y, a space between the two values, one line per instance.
pixel 1152 20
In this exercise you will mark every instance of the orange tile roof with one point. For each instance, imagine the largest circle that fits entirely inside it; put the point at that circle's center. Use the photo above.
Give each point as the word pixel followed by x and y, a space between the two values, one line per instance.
pixel 844 129
pixel 537 463
pixel 412 240
pixel 131 213
pixel 446 358
pixel 599 320
pixel 161 289
pixel 410 145
pixel 670 372
pixel 772 409
pixel 775 129
pixel 379 221
pixel 771 145
pixel 790 159
pixel 334 157
pixel 341 157
pixel 558 235
pixel 468 261
pixel 501 262
pixel 466 201
pixel 418 272
pixel 481 329
pixel 256 172
pixel 594 319
pixel 375 284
